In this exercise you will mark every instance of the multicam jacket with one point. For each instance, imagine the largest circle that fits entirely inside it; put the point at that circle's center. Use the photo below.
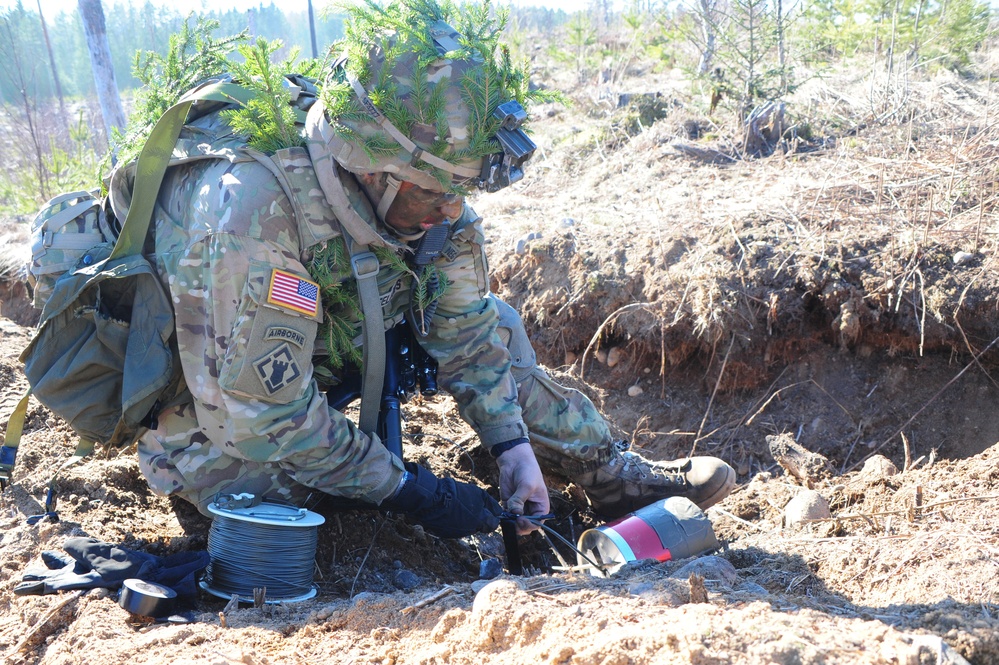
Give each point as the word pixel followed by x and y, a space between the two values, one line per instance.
pixel 233 236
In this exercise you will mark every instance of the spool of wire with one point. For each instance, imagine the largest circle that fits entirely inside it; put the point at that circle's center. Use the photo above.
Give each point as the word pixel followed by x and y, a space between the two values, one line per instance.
pixel 265 545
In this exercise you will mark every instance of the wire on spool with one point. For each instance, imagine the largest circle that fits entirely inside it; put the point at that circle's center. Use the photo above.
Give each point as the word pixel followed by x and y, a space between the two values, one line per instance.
pixel 250 549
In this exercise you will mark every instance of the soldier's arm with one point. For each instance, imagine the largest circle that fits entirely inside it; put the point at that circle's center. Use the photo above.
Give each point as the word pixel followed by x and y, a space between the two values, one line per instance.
pixel 475 367
pixel 474 362
pixel 246 319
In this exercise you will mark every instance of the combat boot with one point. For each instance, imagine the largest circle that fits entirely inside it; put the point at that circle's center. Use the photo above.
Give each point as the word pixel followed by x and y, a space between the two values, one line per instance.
pixel 627 481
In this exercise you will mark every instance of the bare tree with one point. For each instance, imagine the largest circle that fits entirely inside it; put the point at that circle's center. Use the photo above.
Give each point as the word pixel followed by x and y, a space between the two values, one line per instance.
pixel 55 72
pixel 312 31
pixel 706 12
pixel 100 62
pixel 15 70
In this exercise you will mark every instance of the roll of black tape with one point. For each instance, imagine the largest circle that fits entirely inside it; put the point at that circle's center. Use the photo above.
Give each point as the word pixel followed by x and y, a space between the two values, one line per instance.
pixel 146 599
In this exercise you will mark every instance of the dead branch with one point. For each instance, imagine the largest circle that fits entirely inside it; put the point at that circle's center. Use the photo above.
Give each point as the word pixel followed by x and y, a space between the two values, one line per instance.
pixel 432 598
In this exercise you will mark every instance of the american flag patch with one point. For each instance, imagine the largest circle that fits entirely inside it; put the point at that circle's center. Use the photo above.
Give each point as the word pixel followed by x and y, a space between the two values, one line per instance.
pixel 293 292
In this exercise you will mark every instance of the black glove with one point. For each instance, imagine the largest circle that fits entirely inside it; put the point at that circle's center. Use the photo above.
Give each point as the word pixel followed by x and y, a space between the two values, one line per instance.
pixel 444 506
pixel 91 564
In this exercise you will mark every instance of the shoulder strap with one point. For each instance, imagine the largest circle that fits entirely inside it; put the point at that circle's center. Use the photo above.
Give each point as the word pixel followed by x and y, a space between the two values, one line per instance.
pixel 155 157
pixel 12 438
pixel 359 237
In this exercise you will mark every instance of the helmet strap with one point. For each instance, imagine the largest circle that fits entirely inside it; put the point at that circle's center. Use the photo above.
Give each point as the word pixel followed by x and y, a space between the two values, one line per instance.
pixel 416 153
pixel 391 189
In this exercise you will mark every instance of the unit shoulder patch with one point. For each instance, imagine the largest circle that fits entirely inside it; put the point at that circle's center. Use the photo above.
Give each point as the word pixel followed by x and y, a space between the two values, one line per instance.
pixel 283 332
pixel 277 369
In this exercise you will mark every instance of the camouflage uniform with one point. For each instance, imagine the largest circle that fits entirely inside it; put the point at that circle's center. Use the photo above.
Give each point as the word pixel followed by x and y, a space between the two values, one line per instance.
pixel 226 231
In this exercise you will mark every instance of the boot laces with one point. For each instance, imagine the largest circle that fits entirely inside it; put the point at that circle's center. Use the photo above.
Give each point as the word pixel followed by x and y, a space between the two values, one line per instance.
pixel 630 461
pixel 622 454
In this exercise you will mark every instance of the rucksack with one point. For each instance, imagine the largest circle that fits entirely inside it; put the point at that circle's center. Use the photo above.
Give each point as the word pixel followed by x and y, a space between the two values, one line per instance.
pixel 102 358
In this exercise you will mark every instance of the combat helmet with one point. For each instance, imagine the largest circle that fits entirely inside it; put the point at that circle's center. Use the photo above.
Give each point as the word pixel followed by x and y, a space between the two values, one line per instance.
pixel 411 96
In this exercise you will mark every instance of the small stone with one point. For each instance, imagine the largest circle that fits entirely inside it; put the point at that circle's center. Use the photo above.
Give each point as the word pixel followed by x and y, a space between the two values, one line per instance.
pixel 570 357
pixel 963 258
pixel 879 466
pixel 614 356
pixel 751 589
pixel 366 598
pixel 568 222
pixel 647 370
pixel 406 580
pixel 520 247
pixel 635 391
pixel 641 589
pixel 601 356
pixel 490 569
pixel 806 505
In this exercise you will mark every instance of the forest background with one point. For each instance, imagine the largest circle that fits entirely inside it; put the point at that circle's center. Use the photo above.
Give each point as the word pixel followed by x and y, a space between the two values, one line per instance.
pixel 736 56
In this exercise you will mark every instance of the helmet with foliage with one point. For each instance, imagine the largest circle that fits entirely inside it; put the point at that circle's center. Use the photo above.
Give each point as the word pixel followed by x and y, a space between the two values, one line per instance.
pixel 427 94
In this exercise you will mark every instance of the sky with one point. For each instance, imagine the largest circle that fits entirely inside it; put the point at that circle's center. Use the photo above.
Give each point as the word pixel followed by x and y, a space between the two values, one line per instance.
pixel 53 7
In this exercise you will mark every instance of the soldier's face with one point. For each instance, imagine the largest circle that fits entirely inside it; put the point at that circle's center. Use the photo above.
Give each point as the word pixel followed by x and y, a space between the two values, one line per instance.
pixel 416 209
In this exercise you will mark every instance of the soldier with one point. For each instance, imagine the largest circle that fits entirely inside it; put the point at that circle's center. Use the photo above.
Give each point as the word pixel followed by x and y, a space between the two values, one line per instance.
pixel 256 255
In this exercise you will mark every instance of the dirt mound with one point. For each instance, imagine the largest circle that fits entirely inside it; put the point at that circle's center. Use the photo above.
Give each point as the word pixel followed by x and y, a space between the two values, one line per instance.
pixel 838 299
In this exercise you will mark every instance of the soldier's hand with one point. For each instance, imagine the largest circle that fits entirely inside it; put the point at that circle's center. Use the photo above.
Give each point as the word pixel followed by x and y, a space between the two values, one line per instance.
pixel 522 487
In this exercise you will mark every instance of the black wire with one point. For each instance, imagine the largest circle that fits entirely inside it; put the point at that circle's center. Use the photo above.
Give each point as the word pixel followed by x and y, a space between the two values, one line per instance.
pixel 539 520
pixel 247 555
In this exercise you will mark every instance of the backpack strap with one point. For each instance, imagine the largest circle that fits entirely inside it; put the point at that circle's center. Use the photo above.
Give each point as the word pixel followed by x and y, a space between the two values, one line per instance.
pixel 12 438
pixel 155 157
pixel 8 452
pixel 359 236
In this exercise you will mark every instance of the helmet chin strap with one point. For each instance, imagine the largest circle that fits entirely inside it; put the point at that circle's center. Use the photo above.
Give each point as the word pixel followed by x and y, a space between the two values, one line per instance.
pixel 391 190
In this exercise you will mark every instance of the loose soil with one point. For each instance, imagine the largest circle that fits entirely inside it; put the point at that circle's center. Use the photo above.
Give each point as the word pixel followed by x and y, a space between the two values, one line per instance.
pixel 840 292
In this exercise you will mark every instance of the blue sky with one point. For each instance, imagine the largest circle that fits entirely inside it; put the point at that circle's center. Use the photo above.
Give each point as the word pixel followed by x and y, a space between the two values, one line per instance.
pixel 53 7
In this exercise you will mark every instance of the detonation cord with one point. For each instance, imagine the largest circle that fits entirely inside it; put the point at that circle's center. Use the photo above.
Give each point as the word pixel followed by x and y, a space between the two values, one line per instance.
pixel 508 521
pixel 247 555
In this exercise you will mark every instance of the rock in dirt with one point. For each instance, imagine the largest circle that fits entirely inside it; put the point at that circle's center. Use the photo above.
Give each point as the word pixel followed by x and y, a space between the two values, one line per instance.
pixel 635 391
pixel 879 466
pixel 490 569
pixel 614 356
pixel 713 568
pixel 963 258
pixel 806 466
pixel 937 650
pixel 807 505
pixel 406 580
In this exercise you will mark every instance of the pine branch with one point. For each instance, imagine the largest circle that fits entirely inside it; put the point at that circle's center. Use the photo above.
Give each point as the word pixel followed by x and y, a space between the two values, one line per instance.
pixel 268 120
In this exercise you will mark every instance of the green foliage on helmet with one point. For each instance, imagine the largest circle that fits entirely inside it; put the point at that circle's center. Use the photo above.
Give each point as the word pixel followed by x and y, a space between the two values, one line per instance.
pixel 437 72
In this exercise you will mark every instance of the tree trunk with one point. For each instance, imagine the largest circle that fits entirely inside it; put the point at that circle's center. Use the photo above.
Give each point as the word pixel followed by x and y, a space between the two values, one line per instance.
pixel 705 17
pixel 63 117
pixel 16 72
pixel 312 31
pixel 100 62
